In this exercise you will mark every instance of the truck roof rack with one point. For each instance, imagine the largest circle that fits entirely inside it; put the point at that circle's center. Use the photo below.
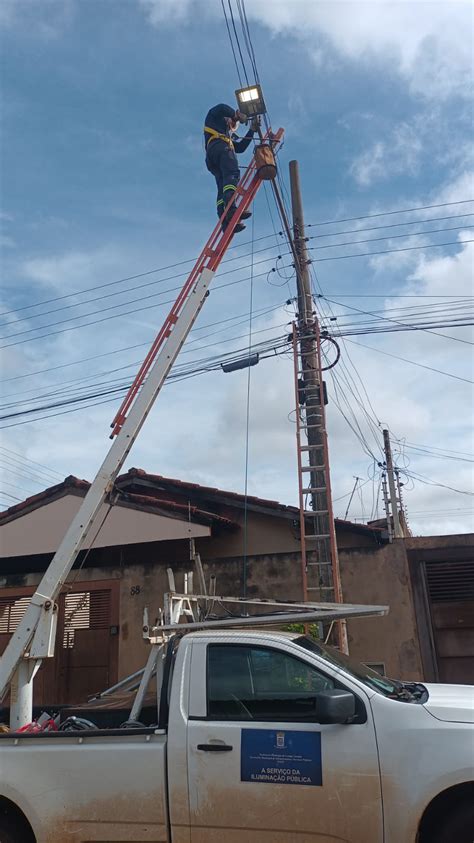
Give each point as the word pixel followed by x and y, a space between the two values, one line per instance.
pixel 184 605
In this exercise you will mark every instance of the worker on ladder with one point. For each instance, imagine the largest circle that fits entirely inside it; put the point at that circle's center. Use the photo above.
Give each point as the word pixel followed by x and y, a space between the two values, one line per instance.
pixel 221 144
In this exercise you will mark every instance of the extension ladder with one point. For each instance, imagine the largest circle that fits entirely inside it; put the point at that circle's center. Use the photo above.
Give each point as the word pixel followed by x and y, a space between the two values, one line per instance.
pixel 209 259
pixel 319 561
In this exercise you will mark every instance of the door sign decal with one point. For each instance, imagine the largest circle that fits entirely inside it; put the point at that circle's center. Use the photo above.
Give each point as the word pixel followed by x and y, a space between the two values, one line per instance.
pixel 280 757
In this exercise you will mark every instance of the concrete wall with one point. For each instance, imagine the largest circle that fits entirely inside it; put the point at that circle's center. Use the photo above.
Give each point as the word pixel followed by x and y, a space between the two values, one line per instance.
pixel 267 575
pixel 382 576
pixel 371 573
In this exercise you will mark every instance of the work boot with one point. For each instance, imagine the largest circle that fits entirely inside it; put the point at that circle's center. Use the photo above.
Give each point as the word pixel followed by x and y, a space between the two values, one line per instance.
pixel 239 227
pixel 245 215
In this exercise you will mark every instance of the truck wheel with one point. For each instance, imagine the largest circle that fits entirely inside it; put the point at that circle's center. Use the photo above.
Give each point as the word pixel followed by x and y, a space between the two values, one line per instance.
pixel 456 828
pixel 11 831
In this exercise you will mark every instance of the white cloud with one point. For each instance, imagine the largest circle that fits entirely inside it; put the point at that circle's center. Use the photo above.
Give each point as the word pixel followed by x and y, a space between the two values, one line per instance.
pixel 399 153
pixel 427 43
pixel 166 11
pixel 370 165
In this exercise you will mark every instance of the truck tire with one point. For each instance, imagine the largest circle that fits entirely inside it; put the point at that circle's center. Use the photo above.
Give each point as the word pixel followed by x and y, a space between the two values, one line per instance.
pixel 14 831
pixel 458 827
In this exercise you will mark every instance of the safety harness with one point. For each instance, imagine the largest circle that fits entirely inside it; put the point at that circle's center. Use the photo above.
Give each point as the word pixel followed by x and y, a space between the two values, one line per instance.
pixel 217 136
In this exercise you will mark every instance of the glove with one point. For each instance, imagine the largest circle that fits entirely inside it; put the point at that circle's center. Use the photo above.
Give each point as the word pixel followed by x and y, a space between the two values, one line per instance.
pixel 242 118
pixel 255 124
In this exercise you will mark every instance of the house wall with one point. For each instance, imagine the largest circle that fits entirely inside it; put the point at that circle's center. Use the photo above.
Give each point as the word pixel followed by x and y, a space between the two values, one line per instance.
pixel 143 585
pixel 42 529
pixel 371 573
pixel 377 576
pixel 381 576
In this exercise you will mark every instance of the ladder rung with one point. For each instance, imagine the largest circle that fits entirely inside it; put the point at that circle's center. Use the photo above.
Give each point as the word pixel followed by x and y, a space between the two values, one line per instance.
pixel 320 588
pixel 317 512
pixel 309 489
pixel 312 468
pixel 311 448
pixel 302 372
pixel 319 538
pixel 318 564
pixel 312 427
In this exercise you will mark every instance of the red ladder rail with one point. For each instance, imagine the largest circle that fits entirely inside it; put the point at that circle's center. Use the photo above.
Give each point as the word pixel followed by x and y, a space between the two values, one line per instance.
pixel 210 258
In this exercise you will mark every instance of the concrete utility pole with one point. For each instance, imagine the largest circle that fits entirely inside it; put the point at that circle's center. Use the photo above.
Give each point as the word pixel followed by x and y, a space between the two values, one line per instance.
pixel 322 565
pixel 397 529
pixel 386 505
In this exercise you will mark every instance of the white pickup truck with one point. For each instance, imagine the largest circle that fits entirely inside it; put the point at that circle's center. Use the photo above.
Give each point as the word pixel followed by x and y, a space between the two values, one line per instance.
pixel 258 737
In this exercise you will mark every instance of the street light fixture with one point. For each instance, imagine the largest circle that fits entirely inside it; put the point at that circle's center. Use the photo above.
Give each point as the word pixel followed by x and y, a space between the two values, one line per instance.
pixel 250 101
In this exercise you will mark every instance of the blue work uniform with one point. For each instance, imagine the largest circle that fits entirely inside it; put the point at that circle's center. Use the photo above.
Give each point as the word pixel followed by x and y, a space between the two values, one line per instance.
pixel 221 145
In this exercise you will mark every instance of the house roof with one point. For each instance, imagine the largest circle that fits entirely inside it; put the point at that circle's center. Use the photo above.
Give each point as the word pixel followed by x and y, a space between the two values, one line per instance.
pixel 72 485
pixel 157 496
pixel 161 484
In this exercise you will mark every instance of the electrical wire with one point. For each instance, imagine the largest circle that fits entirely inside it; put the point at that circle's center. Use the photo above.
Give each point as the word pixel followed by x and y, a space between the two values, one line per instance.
pixel 231 44
pixel 392 213
pixel 387 237
pixel 21 457
pixel 123 292
pixel 413 362
pixel 247 437
pixel 162 269
pixel 392 251
pixel 238 43
pixel 396 321
pixel 429 482
pixel 125 313
pixel 393 225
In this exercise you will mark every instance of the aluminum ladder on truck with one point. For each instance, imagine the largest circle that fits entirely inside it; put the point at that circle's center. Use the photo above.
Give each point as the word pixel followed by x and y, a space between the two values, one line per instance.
pixel 34 637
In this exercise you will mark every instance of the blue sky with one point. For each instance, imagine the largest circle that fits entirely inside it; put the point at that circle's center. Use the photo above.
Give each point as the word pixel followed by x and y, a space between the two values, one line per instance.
pixel 103 177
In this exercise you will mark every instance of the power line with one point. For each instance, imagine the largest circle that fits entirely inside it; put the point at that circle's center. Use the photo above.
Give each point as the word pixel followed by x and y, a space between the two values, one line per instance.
pixel 133 278
pixel 401 296
pixel 429 482
pixel 432 454
pixel 413 362
pixel 395 225
pixel 22 470
pixel 390 251
pixel 390 213
pixel 238 43
pixel 231 44
pixel 155 282
pixel 13 497
pixel 372 421
pixel 217 287
pixel 195 368
pixel 390 319
pixel 378 239
pixel 434 448
pixel 26 459
pixel 125 313
pixel 59 386
pixel 190 260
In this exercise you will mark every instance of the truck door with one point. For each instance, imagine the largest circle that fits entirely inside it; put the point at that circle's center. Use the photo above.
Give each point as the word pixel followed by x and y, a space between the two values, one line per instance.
pixel 261 769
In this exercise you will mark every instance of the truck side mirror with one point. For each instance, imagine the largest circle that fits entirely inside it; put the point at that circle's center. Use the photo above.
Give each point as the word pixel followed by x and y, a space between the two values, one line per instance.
pixel 335 706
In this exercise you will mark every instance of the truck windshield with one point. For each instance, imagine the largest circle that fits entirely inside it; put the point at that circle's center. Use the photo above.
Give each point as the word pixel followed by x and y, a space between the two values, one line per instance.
pixel 387 687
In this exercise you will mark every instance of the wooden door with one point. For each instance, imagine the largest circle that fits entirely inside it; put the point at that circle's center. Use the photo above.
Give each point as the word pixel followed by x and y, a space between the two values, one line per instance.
pixel 86 655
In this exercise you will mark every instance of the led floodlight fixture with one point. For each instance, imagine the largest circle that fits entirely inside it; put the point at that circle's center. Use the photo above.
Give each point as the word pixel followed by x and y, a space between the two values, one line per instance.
pixel 250 101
